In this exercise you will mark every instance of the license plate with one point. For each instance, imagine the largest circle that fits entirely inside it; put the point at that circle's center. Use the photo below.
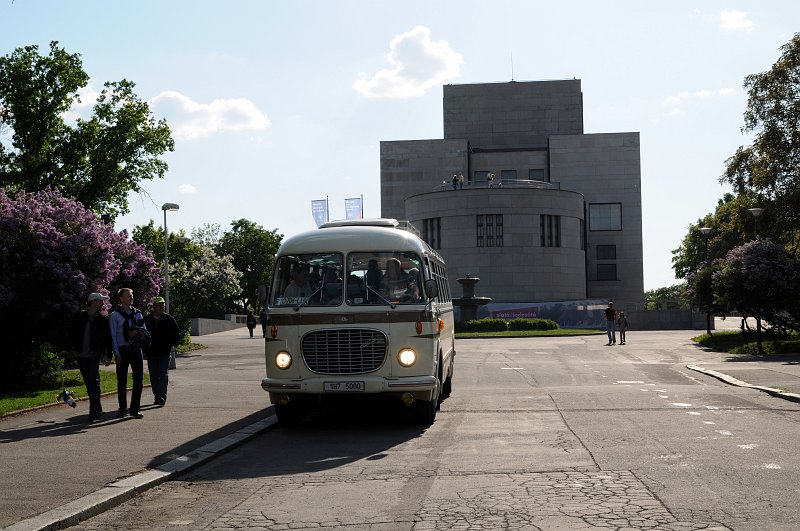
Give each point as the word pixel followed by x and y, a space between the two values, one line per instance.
pixel 344 387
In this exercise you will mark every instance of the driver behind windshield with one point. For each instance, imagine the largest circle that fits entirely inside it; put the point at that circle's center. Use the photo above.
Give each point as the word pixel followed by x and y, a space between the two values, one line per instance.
pixel 299 287
pixel 397 285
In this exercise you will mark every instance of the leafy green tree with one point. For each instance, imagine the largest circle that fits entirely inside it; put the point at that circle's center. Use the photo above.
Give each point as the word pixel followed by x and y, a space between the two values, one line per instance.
pixel 179 247
pixel 731 225
pixel 252 249
pixel 97 161
pixel 769 168
pixel 671 296
pixel 208 235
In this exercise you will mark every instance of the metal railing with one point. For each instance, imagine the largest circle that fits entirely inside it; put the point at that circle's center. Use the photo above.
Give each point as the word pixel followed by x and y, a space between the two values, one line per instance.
pixel 498 183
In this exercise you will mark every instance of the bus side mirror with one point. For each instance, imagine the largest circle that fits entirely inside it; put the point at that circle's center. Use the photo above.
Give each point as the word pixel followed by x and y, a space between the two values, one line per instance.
pixel 431 288
pixel 262 293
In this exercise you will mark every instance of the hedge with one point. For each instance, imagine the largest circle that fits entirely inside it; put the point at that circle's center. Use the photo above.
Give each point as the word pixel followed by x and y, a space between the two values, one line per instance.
pixel 501 325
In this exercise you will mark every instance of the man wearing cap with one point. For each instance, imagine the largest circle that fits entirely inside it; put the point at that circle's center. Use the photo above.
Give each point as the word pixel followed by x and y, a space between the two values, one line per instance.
pixel 165 333
pixel 89 339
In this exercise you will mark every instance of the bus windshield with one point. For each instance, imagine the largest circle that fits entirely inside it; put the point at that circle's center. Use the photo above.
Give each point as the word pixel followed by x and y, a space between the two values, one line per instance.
pixel 308 279
pixel 383 278
pixel 372 278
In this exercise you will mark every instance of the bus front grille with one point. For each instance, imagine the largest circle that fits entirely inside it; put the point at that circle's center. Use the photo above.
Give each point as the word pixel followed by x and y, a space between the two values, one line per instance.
pixel 344 351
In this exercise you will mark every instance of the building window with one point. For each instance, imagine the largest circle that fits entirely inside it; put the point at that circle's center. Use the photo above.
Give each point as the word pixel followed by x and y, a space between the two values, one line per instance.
pixel 583 235
pixel 536 175
pixel 550 230
pixel 605 216
pixel 432 232
pixel 606 252
pixel 489 229
pixel 508 175
pixel 480 177
pixel 606 271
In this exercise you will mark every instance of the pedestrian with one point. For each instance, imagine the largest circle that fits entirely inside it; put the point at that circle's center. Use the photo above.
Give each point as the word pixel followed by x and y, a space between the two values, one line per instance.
pixel 455 181
pixel 611 318
pixel 264 318
pixel 490 180
pixel 622 326
pixel 127 332
pixel 460 181
pixel 89 339
pixel 251 322
pixel 165 335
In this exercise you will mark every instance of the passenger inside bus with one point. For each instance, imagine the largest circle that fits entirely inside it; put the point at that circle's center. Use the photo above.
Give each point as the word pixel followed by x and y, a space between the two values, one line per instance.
pixel 398 285
pixel 374 277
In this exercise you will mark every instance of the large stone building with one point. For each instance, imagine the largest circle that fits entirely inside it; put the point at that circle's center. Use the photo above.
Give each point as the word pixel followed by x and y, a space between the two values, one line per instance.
pixel 563 219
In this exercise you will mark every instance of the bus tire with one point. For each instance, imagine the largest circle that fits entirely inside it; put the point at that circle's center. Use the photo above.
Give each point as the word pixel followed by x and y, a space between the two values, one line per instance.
pixel 289 414
pixel 425 411
pixel 447 387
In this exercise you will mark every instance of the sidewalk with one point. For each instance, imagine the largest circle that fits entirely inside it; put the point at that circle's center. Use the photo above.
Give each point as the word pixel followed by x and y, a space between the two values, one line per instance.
pixel 56 465
pixel 778 375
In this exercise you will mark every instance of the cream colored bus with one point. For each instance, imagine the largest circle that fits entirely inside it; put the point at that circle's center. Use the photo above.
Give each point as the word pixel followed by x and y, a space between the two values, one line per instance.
pixel 359 309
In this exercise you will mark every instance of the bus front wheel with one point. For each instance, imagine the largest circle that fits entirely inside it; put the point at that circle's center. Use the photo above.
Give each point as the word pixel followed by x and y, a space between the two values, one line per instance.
pixel 289 414
pixel 425 411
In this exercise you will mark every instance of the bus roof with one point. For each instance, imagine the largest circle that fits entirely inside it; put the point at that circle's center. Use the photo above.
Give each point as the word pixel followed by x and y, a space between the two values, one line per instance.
pixel 357 235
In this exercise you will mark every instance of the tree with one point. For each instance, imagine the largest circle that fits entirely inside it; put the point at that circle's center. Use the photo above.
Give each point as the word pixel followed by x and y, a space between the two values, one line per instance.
pixel 674 295
pixel 97 161
pixel 252 249
pixel 179 247
pixel 54 253
pixel 731 225
pixel 199 286
pixel 762 279
pixel 770 167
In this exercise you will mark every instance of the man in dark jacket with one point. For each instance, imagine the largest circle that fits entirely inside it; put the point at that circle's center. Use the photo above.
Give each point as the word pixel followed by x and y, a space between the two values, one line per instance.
pixel 90 340
pixel 165 333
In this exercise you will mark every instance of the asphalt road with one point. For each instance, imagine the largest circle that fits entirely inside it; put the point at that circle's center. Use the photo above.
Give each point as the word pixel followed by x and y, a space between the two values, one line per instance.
pixel 546 433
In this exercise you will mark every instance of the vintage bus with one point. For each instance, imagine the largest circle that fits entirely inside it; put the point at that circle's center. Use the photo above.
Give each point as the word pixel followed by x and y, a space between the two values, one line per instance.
pixel 359 309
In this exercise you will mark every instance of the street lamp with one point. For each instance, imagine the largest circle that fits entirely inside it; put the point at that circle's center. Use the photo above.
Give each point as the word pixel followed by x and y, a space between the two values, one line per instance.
pixel 756 212
pixel 705 231
pixel 165 207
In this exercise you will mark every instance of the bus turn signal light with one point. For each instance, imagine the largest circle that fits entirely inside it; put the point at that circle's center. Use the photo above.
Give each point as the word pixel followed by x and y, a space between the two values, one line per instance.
pixel 419 327
pixel 273 331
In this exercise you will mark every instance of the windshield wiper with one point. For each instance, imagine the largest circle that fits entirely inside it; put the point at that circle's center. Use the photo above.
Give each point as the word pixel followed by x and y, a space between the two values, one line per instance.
pixel 384 299
pixel 300 304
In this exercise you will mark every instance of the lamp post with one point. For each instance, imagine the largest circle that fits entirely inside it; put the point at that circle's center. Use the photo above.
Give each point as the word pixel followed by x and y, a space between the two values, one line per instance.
pixel 165 207
pixel 705 231
pixel 756 212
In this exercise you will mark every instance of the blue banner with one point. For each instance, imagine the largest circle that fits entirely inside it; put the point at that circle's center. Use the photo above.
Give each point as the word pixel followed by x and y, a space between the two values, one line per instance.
pixel 354 208
pixel 319 210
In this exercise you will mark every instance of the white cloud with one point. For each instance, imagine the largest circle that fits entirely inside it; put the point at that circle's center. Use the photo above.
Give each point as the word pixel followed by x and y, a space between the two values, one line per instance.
pixel 187 189
pixel 418 64
pixel 732 20
pixel 672 104
pixel 189 119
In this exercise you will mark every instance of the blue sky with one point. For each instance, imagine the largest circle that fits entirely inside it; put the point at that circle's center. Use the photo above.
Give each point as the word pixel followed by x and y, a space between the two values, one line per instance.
pixel 273 104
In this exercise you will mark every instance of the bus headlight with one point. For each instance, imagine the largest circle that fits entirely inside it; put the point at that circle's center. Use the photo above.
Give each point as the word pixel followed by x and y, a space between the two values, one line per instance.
pixel 283 359
pixel 407 357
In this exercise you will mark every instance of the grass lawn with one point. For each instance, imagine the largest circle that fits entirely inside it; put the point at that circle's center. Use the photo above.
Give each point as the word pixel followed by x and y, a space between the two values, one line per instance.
pixel 531 333
pixel 24 399
pixel 736 342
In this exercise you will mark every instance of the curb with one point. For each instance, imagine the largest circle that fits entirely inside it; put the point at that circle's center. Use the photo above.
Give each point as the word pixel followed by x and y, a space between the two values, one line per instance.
pixel 124 489
pixel 730 380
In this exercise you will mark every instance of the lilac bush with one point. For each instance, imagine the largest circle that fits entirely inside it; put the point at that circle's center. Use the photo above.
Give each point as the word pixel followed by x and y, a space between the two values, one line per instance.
pixel 762 279
pixel 53 253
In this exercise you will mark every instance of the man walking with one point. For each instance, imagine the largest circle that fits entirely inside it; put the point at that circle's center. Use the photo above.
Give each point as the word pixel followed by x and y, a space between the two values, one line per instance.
pixel 125 341
pixel 165 333
pixel 611 319
pixel 90 340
